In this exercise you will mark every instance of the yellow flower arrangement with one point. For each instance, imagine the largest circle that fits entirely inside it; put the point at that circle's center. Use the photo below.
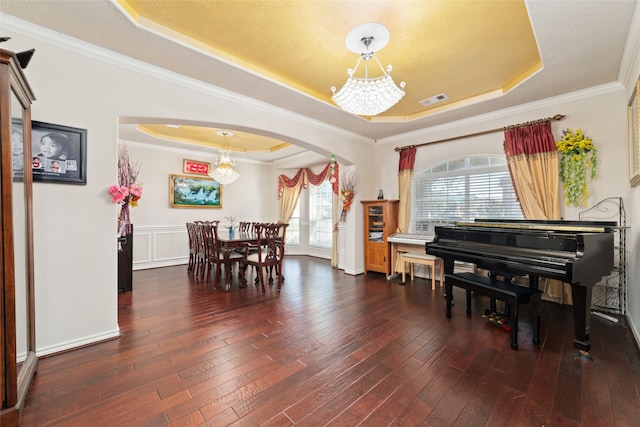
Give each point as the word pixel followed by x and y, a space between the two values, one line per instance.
pixel 578 156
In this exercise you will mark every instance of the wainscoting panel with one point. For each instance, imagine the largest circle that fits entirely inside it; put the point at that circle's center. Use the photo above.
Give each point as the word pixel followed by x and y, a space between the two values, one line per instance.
pixel 141 246
pixel 160 246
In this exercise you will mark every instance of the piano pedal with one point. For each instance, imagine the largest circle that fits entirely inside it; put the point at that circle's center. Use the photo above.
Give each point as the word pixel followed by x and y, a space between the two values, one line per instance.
pixel 498 319
pixel 584 355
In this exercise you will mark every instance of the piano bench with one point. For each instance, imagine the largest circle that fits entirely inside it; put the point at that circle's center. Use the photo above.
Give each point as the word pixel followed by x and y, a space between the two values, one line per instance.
pixel 422 259
pixel 511 294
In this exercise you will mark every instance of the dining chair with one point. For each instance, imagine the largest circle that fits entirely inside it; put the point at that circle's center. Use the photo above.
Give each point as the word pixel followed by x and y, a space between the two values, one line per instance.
pixel 248 228
pixel 200 258
pixel 244 227
pixel 270 242
pixel 215 256
pixel 192 246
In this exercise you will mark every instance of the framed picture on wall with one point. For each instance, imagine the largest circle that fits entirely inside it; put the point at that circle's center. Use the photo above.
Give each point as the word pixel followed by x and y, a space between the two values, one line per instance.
pixel 59 153
pixel 194 192
pixel 634 149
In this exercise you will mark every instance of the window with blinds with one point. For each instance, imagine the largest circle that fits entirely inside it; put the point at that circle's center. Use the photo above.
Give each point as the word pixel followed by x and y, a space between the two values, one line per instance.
pixel 462 189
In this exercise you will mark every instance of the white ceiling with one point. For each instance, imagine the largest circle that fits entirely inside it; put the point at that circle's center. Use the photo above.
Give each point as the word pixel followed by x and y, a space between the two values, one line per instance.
pixel 581 44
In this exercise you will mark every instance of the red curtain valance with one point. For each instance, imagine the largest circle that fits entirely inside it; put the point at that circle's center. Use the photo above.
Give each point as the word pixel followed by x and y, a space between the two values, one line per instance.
pixel 306 175
pixel 407 159
pixel 529 140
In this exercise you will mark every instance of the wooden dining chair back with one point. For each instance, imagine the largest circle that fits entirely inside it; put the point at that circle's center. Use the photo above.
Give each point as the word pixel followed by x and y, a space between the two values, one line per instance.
pixel 208 236
pixel 270 241
pixel 192 246
pixel 215 255
pixel 200 250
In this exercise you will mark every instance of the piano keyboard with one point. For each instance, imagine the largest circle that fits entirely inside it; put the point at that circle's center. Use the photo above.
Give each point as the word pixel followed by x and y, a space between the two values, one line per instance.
pixel 411 238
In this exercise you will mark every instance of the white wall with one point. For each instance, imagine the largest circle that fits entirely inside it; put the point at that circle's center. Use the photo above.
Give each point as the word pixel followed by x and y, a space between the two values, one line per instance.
pixel 79 85
pixel 160 237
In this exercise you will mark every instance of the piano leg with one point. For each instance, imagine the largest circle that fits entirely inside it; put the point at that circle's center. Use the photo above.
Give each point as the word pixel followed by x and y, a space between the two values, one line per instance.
pixel 581 316
pixel 535 309
pixel 448 295
pixel 448 265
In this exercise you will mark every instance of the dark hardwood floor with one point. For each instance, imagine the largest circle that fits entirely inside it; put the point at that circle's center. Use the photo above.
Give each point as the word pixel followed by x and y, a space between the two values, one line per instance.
pixel 331 349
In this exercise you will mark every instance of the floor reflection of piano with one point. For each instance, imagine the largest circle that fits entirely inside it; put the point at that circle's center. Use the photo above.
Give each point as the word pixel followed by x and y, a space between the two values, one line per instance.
pixel 405 242
pixel 576 252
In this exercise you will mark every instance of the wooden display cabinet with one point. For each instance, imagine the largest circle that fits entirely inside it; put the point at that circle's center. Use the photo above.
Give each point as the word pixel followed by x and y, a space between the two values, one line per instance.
pixel 380 221
pixel 17 300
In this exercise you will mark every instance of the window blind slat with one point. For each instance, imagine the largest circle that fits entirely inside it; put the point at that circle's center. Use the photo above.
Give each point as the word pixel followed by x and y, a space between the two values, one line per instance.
pixel 464 188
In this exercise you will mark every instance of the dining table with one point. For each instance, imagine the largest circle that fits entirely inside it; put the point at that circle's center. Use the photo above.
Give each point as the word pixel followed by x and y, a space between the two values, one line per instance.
pixel 230 241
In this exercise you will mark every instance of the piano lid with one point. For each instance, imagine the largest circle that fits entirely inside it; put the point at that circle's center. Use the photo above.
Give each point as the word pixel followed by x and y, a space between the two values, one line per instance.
pixel 543 225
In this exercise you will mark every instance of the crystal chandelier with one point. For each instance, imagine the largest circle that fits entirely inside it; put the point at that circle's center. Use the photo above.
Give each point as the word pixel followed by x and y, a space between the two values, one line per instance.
pixel 223 172
pixel 368 96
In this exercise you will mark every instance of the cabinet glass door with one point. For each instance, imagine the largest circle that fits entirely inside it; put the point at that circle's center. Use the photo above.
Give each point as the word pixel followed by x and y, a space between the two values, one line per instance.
pixel 19 230
pixel 376 223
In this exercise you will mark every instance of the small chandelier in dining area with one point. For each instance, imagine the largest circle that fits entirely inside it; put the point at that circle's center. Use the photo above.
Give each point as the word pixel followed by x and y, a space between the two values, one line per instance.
pixel 224 171
pixel 368 96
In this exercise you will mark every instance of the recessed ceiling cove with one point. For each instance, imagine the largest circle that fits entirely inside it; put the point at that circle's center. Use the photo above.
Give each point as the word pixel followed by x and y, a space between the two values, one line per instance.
pixel 471 50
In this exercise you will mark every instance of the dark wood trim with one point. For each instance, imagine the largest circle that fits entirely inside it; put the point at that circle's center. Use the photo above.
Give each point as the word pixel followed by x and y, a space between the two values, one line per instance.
pixel 16 379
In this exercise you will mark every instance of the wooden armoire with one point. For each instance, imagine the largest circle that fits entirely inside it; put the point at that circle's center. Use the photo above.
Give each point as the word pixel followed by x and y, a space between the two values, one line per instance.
pixel 380 221
pixel 17 305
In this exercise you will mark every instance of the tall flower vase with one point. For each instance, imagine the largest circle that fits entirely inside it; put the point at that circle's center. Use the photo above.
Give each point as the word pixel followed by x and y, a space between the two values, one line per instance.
pixel 125 260
pixel 124 220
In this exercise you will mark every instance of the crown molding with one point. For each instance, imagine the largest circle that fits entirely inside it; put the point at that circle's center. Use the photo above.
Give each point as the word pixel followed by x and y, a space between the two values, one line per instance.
pixel 547 103
pixel 631 49
pixel 63 41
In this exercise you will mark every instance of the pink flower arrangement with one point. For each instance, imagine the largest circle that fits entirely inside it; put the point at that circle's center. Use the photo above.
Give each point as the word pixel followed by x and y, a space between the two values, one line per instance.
pixel 136 192
pixel 131 194
pixel 118 193
pixel 127 192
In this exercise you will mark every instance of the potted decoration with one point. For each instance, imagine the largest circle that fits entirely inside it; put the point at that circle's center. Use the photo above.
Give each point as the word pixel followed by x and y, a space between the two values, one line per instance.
pixel 127 192
pixel 349 183
pixel 232 225
pixel 577 165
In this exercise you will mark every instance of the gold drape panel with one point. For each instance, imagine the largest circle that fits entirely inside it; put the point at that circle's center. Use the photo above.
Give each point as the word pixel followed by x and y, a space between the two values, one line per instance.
pixel 405 173
pixel 533 164
pixel 288 201
pixel 535 179
pixel 289 192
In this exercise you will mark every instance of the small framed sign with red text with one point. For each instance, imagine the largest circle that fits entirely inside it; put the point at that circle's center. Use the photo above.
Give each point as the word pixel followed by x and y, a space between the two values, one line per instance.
pixel 194 166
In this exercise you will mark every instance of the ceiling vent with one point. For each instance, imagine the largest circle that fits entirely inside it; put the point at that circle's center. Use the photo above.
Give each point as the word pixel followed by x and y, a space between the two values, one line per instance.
pixel 434 100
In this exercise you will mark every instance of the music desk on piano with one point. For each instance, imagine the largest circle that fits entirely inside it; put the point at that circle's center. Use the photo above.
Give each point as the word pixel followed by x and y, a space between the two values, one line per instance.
pixel 405 242
pixel 576 252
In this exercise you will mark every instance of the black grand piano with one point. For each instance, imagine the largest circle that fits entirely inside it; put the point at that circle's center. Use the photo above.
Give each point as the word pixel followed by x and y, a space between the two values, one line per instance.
pixel 575 252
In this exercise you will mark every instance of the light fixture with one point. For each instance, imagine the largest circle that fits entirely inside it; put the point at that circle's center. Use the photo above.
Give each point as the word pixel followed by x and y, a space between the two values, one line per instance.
pixel 368 96
pixel 223 172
